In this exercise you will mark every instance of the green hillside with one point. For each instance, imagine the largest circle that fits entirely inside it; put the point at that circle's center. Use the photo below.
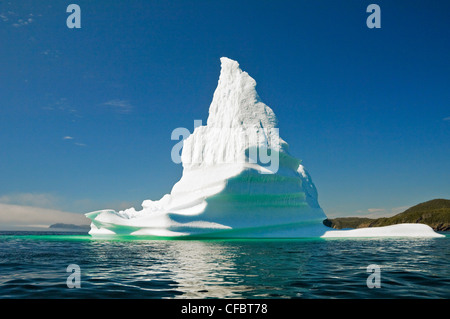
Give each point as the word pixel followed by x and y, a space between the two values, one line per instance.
pixel 434 213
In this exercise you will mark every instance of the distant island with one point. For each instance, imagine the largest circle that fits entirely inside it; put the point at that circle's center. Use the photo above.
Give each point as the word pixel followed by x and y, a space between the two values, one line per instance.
pixel 434 213
pixel 70 227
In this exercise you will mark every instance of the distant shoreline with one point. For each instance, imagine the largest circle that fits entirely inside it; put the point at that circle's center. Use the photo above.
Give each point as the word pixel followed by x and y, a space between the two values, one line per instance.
pixel 434 213
pixel 70 227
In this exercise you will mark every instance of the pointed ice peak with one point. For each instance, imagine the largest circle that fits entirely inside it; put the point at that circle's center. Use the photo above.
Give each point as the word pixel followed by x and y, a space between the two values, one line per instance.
pixel 229 65
pixel 238 122
pixel 236 102
pixel 230 71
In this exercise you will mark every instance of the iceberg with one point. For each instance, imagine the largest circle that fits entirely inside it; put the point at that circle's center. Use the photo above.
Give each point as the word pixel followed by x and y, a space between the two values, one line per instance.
pixel 398 230
pixel 238 180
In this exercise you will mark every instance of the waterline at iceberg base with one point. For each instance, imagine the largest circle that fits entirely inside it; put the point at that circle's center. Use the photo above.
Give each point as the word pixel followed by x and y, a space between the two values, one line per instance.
pixel 227 192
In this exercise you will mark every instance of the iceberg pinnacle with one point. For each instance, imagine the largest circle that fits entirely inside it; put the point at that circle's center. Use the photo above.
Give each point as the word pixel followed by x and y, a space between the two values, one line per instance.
pixel 236 103
pixel 238 122
pixel 238 180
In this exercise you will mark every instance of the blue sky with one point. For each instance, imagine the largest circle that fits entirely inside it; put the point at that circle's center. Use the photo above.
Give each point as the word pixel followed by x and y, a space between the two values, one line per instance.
pixel 87 114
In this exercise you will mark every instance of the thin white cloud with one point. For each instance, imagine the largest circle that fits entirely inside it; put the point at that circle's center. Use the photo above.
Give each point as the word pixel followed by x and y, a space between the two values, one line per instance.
pixel 384 212
pixel 17 20
pixel 446 118
pixel 22 22
pixel 80 144
pixel 19 216
pixel 24 210
pixel 30 199
pixel 51 53
pixel 71 138
pixel 63 105
pixel 120 106
pixel 376 210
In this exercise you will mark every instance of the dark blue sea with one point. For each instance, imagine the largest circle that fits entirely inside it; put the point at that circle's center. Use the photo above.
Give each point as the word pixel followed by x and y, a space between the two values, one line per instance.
pixel 34 265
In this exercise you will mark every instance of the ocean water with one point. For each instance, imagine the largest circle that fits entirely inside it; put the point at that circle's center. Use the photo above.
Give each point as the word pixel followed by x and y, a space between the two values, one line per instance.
pixel 34 265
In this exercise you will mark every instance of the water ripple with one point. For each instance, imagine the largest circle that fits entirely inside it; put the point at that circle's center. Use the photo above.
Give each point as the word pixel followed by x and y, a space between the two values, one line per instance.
pixel 35 267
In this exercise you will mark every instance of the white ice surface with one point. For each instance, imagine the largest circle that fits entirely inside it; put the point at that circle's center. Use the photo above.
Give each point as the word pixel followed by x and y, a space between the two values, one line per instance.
pixel 399 230
pixel 225 191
